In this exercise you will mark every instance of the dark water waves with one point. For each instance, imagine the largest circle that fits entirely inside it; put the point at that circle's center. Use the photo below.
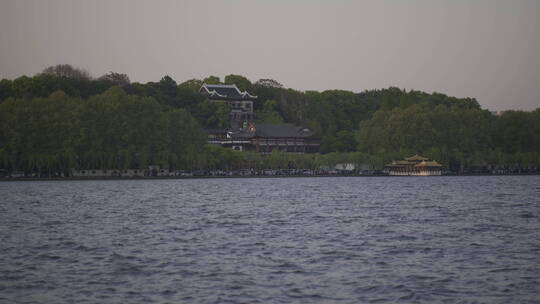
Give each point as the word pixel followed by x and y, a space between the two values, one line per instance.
pixel 278 240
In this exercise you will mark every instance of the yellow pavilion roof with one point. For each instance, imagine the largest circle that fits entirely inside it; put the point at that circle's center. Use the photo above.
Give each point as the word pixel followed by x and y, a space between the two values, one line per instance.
pixel 416 157
pixel 431 163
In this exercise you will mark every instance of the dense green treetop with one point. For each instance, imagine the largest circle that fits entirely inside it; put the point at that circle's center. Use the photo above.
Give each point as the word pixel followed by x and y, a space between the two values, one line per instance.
pixel 240 81
pixel 63 118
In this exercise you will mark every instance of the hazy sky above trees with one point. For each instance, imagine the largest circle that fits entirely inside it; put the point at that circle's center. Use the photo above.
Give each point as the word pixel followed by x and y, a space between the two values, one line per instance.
pixel 487 49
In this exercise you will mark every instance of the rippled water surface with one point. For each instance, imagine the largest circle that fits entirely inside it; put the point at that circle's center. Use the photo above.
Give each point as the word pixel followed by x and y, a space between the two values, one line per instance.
pixel 272 240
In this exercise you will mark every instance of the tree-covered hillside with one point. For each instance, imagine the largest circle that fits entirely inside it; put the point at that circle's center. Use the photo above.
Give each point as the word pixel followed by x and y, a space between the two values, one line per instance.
pixel 62 118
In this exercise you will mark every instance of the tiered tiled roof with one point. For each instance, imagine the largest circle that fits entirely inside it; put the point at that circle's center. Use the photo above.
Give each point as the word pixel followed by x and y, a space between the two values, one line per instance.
pixel 428 164
pixel 281 130
pixel 414 161
pixel 225 92
pixel 416 157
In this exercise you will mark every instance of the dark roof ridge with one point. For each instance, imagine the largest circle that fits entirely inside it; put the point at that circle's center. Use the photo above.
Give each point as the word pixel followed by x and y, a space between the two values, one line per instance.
pixel 282 130
pixel 211 90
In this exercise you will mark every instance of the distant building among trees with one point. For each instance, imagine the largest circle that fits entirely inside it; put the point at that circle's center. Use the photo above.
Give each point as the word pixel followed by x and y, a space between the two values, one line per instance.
pixel 244 134
pixel 241 103
pixel 63 118
pixel 265 138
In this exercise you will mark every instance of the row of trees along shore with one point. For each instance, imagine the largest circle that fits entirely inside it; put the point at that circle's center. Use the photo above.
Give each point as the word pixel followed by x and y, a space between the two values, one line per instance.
pixel 62 118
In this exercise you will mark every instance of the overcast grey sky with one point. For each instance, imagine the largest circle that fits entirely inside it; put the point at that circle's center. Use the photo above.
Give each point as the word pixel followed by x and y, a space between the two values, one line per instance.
pixel 487 49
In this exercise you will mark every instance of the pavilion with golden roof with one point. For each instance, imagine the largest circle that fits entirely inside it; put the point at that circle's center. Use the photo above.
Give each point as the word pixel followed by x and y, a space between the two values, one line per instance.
pixel 414 166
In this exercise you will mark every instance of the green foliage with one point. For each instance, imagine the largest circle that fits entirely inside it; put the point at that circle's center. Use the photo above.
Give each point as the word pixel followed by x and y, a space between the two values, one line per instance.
pixel 66 71
pixel 240 81
pixel 213 115
pixel 120 131
pixel 117 79
pixel 185 139
pixel 37 134
pixel 6 89
pixel 518 131
pixel 62 118
pixel 109 130
pixel 343 141
pixel 458 136
pixel 212 80
pixel 192 85
pixel 269 113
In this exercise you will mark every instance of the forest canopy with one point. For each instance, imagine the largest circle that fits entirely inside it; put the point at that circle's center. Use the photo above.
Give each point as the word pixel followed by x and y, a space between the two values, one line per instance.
pixel 63 118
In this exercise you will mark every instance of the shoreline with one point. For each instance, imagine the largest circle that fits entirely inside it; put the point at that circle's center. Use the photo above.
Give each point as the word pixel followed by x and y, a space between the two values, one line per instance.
pixel 19 179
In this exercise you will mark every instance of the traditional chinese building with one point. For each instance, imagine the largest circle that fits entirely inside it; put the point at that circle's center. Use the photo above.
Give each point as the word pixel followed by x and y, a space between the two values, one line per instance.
pixel 244 134
pixel 264 138
pixel 241 103
pixel 414 166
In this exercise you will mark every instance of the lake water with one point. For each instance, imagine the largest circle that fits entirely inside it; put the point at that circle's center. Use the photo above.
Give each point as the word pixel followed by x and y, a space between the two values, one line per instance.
pixel 272 240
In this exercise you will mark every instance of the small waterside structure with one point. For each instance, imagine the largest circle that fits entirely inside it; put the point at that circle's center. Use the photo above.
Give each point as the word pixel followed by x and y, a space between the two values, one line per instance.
pixel 414 166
